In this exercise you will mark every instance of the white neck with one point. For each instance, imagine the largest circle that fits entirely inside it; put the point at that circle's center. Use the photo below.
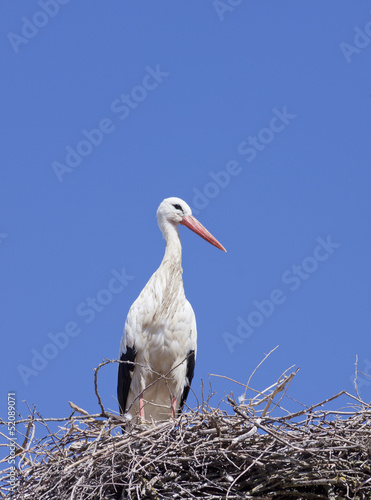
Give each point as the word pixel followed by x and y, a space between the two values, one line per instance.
pixel 173 251
pixel 170 271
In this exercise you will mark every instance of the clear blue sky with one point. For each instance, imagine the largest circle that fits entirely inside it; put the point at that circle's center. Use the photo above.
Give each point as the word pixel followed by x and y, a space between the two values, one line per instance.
pixel 256 114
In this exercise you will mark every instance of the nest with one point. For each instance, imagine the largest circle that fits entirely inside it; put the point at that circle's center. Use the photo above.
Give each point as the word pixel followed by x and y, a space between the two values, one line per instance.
pixel 243 451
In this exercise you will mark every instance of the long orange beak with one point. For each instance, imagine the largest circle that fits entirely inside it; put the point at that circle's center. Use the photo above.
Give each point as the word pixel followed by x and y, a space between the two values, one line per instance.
pixel 196 226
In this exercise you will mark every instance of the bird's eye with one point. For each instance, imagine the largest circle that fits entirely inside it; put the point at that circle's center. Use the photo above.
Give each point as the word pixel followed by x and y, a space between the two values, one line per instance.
pixel 178 207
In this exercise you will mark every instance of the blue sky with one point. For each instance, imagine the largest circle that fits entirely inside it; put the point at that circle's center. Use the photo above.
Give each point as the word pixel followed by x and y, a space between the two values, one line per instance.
pixel 258 115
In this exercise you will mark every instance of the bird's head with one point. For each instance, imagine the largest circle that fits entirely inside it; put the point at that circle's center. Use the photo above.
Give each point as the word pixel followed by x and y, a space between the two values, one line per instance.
pixel 176 211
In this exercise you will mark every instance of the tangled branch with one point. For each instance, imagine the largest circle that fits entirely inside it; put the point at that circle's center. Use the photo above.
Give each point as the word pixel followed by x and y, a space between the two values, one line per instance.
pixel 243 451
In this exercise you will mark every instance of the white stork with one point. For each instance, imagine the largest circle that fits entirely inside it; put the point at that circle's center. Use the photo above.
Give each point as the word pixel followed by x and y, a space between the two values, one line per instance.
pixel 159 342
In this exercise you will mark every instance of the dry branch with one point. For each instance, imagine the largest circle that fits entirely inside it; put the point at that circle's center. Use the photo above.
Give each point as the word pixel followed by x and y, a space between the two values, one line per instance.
pixel 245 452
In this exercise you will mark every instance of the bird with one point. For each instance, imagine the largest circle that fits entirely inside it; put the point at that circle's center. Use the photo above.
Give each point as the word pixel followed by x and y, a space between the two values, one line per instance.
pixel 159 343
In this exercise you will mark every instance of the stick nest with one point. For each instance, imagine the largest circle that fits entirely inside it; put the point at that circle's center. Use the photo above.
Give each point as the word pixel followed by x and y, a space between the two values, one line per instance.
pixel 209 453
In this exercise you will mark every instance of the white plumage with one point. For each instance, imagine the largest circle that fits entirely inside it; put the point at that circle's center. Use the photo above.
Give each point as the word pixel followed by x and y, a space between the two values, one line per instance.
pixel 159 343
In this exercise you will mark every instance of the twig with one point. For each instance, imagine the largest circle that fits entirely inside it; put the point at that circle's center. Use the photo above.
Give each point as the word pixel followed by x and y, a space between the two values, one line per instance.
pixel 206 453
pixel 355 376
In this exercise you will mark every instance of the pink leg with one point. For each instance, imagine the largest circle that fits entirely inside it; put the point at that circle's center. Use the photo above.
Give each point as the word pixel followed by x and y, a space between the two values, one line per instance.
pixel 173 407
pixel 141 407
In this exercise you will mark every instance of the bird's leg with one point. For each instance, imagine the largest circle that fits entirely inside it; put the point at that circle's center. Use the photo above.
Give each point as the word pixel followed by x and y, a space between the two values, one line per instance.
pixel 141 407
pixel 173 407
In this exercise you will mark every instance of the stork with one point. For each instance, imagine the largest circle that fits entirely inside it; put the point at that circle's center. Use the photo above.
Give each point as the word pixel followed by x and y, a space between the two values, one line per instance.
pixel 159 343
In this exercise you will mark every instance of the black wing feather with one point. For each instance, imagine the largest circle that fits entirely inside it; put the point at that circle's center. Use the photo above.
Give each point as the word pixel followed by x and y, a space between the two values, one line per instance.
pixel 124 377
pixel 191 362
